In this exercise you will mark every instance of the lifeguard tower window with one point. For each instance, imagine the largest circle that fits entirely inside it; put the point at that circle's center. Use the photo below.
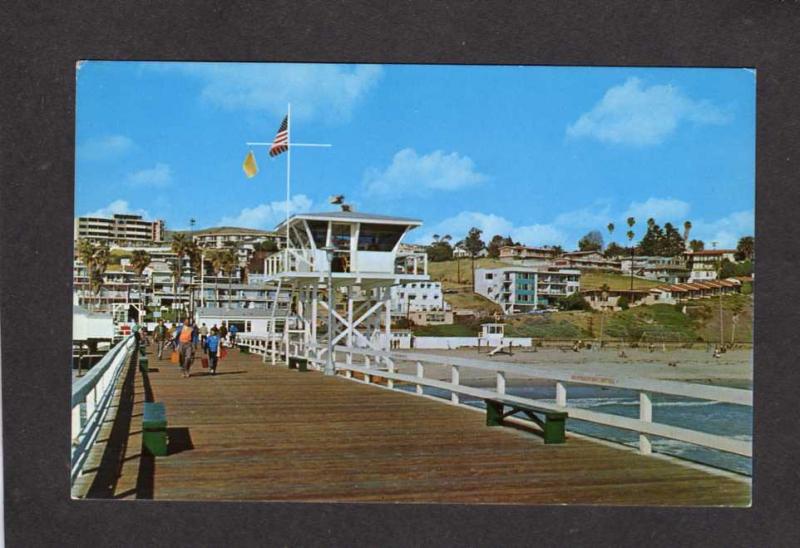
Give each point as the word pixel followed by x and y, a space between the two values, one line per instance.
pixel 374 237
pixel 340 236
pixel 319 230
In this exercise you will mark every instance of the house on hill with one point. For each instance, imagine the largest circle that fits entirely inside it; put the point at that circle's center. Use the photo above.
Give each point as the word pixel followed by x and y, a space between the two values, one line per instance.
pixel 587 260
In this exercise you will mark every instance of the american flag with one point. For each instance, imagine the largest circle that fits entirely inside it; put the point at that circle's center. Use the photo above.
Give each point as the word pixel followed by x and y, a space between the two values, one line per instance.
pixel 281 142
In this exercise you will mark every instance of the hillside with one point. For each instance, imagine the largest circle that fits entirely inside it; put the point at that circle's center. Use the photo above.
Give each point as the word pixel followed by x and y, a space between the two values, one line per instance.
pixel 447 272
pixel 595 280
pixel 655 323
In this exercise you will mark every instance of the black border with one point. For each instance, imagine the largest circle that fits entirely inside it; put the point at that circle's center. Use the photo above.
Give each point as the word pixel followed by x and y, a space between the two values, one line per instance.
pixel 43 42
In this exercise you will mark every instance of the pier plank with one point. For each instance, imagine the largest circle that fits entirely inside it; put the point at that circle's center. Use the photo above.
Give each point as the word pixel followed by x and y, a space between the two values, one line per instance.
pixel 263 432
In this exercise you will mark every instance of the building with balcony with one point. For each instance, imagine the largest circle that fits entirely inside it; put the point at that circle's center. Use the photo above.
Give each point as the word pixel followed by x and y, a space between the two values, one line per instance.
pixel 704 265
pixel 121 228
pixel 534 255
pixel 586 260
pixel 670 270
pixel 520 290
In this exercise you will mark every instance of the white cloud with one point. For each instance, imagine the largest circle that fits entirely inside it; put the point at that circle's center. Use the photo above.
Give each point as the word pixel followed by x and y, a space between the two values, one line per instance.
pixel 458 226
pixel 267 216
pixel 410 173
pixel 315 91
pixel 101 148
pixel 159 175
pixel 118 207
pixel 632 114
pixel 663 210
pixel 566 228
pixel 726 231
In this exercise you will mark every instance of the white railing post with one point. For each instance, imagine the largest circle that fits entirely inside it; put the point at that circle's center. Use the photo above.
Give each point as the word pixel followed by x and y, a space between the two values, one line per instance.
pixel 420 375
pixel 561 394
pixel 455 378
pixel 501 382
pixel 645 415
pixel 366 364
pixel 390 367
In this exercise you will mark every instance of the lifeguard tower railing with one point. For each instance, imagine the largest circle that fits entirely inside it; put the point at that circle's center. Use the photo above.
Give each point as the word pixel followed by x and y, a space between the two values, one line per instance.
pixel 310 260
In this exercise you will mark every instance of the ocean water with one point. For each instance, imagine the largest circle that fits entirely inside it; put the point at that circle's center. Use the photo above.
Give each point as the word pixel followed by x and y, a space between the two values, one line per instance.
pixel 722 419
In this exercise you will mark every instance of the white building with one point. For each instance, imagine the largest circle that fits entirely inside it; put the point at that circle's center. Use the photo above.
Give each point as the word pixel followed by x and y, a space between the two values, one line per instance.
pixel 704 265
pixel 521 290
pixel 253 321
pixel 417 297
pixel 119 228
pixel 664 269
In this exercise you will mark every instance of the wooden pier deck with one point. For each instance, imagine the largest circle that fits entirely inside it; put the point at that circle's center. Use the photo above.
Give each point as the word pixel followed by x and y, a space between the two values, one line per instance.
pixel 263 432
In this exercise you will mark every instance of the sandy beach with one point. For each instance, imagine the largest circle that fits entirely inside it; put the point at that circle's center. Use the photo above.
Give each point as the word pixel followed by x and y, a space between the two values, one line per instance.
pixel 733 368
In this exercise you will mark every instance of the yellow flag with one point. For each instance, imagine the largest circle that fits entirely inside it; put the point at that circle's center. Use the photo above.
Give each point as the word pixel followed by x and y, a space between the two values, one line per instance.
pixel 249 165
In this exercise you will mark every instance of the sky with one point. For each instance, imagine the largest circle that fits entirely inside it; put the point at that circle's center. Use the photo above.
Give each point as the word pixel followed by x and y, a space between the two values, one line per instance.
pixel 541 154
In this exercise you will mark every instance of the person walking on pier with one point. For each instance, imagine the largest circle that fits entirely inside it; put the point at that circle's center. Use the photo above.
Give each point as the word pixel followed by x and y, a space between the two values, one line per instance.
pixel 186 339
pixel 223 332
pixel 203 335
pixel 212 348
pixel 234 330
pixel 160 337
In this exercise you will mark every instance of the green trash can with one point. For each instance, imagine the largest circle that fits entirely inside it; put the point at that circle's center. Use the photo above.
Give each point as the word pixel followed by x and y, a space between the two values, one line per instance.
pixel 154 429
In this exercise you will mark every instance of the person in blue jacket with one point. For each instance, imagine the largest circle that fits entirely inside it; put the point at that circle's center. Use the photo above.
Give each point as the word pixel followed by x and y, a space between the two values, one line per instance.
pixel 212 348
pixel 233 330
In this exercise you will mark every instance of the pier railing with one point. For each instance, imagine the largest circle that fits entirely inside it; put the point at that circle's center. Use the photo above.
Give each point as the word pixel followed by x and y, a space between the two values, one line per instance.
pixel 372 364
pixel 384 365
pixel 91 399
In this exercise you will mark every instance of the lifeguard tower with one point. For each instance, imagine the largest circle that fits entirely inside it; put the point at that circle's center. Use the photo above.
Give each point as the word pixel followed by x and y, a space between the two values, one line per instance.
pixel 364 263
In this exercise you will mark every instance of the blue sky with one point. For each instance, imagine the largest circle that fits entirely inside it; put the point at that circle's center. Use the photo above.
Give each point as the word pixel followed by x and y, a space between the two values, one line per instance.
pixel 544 154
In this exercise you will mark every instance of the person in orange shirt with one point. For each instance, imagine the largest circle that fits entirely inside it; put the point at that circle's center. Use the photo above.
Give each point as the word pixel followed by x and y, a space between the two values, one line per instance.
pixel 186 339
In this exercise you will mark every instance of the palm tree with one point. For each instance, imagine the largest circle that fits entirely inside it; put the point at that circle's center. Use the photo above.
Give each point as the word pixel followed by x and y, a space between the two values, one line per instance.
pixel 175 270
pixel 86 254
pixel 180 246
pixel 610 228
pixel 101 257
pixel 631 222
pixel 229 264
pixel 194 253
pixel 651 222
pixel 215 256
pixel 687 227
pixel 140 260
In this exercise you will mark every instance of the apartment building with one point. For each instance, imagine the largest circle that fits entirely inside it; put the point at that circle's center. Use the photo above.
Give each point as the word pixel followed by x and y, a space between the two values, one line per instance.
pixel 224 236
pixel 121 228
pixel 703 265
pixel 671 270
pixel 514 253
pixel 520 290
pixel 587 260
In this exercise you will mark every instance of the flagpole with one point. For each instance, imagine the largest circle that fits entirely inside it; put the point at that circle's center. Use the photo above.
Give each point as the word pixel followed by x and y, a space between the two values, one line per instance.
pixel 288 172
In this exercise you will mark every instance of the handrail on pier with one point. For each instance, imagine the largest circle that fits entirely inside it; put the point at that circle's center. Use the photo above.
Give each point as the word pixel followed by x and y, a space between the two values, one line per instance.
pixel 91 398
pixel 383 365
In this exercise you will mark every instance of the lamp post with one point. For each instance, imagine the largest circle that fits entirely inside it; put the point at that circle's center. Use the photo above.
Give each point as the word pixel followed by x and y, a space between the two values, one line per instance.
pixel 329 368
pixel 191 277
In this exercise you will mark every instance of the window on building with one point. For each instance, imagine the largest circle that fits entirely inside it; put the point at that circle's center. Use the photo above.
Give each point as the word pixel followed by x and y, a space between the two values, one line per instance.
pixel 374 237
pixel 340 236
pixel 319 230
